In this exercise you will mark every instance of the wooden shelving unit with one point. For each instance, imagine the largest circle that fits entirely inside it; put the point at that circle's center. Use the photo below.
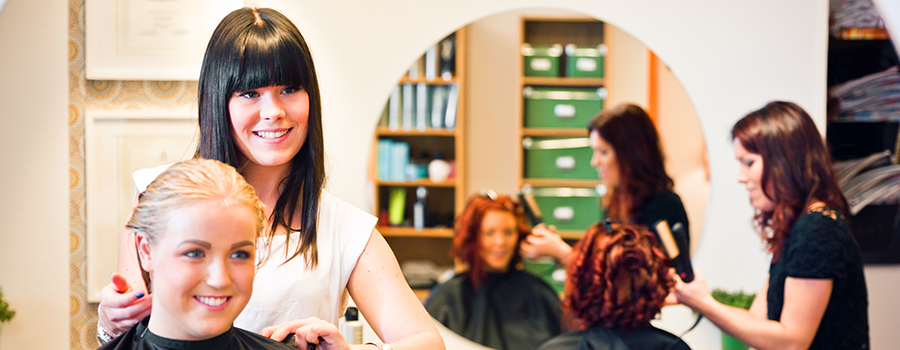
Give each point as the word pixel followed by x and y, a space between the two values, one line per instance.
pixel 582 31
pixel 863 53
pixel 445 198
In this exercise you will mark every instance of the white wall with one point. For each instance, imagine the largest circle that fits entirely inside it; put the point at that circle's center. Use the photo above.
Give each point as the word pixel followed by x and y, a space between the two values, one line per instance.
pixel 34 201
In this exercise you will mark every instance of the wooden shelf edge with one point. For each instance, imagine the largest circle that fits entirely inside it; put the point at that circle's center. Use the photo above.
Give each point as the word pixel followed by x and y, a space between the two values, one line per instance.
pixel 563 81
pixel 424 182
pixel 561 183
pixel 574 132
pixel 388 231
pixel 386 131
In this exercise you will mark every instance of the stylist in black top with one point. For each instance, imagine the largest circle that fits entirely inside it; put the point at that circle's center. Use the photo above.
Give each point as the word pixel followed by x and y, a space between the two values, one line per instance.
pixel 815 297
pixel 629 159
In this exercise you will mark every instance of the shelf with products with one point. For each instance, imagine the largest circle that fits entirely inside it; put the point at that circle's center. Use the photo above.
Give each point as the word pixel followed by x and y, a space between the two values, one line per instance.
pixel 418 156
pixel 856 131
pixel 563 86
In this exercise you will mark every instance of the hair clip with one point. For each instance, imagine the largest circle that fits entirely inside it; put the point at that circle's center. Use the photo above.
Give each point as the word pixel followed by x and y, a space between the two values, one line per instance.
pixel 608 225
pixel 489 194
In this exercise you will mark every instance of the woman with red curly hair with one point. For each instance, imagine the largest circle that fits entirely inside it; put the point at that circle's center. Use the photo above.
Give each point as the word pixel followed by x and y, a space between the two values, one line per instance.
pixel 815 296
pixel 629 159
pixel 618 282
pixel 493 302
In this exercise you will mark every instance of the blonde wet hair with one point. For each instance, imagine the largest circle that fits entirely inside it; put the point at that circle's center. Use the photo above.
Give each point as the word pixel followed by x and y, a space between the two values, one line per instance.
pixel 192 181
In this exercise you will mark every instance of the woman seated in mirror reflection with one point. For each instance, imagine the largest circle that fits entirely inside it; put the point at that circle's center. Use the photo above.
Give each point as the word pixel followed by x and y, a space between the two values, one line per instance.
pixel 815 296
pixel 618 281
pixel 493 302
pixel 197 226
pixel 629 159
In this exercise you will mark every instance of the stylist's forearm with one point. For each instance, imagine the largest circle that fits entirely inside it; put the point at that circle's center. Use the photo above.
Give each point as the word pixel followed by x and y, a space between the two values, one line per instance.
pixel 756 333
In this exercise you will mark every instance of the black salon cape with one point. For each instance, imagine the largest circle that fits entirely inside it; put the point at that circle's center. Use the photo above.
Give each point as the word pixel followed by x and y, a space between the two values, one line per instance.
pixel 598 338
pixel 140 338
pixel 513 310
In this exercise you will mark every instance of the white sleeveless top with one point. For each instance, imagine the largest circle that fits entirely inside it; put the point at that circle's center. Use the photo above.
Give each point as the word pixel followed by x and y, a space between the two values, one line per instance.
pixel 284 292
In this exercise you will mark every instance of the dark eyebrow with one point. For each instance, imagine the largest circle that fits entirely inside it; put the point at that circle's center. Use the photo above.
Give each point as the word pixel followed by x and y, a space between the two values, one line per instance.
pixel 241 244
pixel 203 244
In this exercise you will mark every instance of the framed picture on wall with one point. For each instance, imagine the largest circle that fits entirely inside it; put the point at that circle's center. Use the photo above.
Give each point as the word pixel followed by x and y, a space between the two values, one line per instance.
pixel 116 144
pixel 149 39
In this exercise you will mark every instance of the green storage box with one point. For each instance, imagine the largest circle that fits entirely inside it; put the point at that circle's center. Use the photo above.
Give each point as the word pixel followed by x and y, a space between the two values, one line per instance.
pixel 562 107
pixel 549 270
pixel 568 208
pixel 542 60
pixel 585 61
pixel 558 158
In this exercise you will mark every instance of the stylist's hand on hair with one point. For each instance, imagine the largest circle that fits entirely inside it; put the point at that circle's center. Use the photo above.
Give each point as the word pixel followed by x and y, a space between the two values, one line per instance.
pixel 120 306
pixel 544 242
pixel 307 331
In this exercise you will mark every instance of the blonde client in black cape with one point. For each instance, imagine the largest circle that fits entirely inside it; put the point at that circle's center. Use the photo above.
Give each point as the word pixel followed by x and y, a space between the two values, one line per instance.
pixel 260 112
pixel 197 227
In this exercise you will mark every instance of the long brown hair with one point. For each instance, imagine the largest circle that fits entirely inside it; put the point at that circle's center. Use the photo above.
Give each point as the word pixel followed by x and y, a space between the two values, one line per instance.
pixel 617 278
pixel 466 245
pixel 639 156
pixel 797 167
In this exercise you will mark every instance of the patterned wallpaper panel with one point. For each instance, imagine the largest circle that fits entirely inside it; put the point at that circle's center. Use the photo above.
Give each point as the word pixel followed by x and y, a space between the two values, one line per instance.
pixel 90 95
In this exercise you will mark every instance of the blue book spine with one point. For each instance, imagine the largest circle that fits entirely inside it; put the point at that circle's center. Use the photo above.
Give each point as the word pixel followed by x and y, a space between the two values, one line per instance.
pixel 399 160
pixel 384 159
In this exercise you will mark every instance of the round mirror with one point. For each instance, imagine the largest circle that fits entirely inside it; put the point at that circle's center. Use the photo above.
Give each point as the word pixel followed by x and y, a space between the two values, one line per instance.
pixel 466 104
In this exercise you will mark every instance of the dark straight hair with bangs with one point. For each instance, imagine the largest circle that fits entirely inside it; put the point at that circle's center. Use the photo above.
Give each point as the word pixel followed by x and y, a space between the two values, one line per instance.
pixel 797 167
pixel 253 48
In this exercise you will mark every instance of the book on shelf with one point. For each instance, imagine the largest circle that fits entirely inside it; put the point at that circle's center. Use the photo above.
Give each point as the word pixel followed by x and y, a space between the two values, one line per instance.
pixel 452 101
pixel 393 159
pixel 394 109
pixel 872 97
pixel 869 180
pixel 879 185
pixel 383 119
pixel 409 106
pixel 399 158
pixel 448 57
pixel 438 98
pixel 856 15
pixel 421 107
pixel 384 159
pixel 417 69
pixel 432 63
pixel 847 169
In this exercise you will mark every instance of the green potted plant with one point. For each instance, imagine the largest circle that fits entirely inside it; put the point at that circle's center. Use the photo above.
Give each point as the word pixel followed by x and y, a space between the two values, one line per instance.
pixel 737 299
pixel 6 314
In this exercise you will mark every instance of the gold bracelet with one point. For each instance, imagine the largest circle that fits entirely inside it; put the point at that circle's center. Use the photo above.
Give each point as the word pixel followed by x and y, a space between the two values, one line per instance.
pixel 384 346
